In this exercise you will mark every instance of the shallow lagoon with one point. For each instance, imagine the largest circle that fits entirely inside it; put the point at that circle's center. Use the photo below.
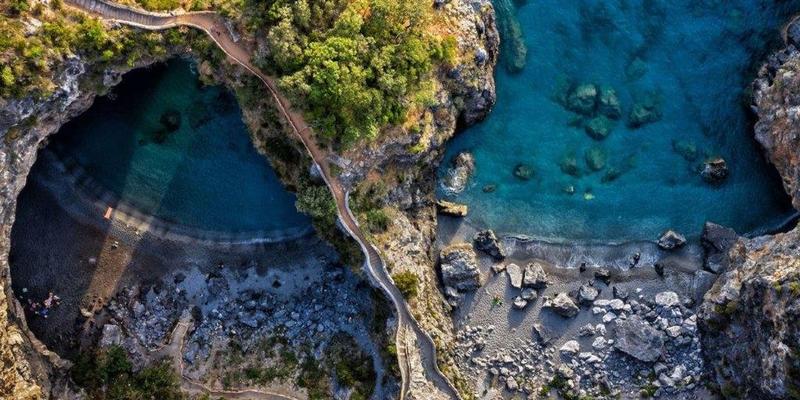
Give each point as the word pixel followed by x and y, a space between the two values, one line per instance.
pixel 172 148
pixel 696 58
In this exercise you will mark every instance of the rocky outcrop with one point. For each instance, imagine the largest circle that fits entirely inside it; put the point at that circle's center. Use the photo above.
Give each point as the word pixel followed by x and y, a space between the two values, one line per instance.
pixel 452 209
pixel 487 242
pixel 638 339
pixel 459 173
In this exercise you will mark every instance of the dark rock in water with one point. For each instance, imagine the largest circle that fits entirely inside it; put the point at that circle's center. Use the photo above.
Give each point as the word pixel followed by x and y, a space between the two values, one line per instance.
pixel 583 99
pixel 611 175
pixel 715 170
pixel 609 104
pixel 671 240
pixel 490 188
pixel 717 240
pixel 644 112
pixel 535 277
pixel 596 158
pixel 171 120
pixel 686 149
pixel 569 189
pixel 569 165
pixel 603 274
pixel 457 177
pixel 486 241
pixel 523 171
pixel 636 69
pixel 453 209
pixel 562 305
pixel 638 339
pixel 514 49
pixel 459 267
pixel 599 127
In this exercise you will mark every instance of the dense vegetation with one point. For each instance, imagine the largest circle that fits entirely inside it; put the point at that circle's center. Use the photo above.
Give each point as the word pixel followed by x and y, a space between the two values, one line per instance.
pixel 354 65
pixel 109 375
pixel 407 282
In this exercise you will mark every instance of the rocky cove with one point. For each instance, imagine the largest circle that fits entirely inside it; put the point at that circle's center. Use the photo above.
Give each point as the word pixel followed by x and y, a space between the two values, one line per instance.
pixel 628 321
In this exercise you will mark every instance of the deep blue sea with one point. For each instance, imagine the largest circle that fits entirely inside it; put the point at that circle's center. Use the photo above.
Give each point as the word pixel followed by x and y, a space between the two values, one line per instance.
pixel 692 61
pixel 179 150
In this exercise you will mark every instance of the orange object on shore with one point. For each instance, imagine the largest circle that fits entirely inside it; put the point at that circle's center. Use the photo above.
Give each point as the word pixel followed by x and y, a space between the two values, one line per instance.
pixel 107 215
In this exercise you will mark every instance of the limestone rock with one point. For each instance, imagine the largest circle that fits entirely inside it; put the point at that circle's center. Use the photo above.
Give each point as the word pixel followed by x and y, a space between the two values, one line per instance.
pixel 570 347
pixel 535 277
pixel 519 303
pixel 671 240
pixel 638 339
pixel 487 242
pixel 514 275
pixel 459 267
pixel 587 294
pixel 453 209
pixel 563 305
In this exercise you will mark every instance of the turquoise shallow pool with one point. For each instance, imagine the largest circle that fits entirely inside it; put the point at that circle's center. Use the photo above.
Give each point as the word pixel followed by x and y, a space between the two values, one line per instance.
pixel 690 62
pixel 179 151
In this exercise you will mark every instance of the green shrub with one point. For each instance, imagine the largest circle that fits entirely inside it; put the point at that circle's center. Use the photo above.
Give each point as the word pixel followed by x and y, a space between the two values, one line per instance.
pixel 407 282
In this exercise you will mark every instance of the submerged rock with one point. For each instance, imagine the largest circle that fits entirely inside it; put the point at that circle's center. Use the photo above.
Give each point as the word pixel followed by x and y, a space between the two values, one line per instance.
pixel 611 175
pixel 459 267
pixel 715 170
pixel 599 127
pixel 487 242
pixel 452 209
pixel 596 158
pixel 671 240
pixel 523 171
pixel 583 99
pixel 569 165
pixel 457 177
pixel 635 69
pixel 171 120
pixel 609 104
pixel 686 149
pixel 644 112
pixel 638 339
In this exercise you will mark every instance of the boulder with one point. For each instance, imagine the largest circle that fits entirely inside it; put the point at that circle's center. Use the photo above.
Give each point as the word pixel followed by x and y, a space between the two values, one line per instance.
pixel 528 294
pixel 644 112
pixel 667 299
pixel 514 273
pixel 583 99
pixel 452 209
pixel 717 240
pixel 587 294
pixel 671 240
pixel 535 277
pixel 596 158
pixel 487 242
pixel 457 177
pixel 611 175
pixel 636 338
pixel 112 336
pixel 523 171
pixel 609 104
pixel 603 275
pixel 459 267
pixel 570 347
pixel 569 165
pixel 599 127
pixel 520 303
pixel 636 69
pixel 715 170
pixel 563 305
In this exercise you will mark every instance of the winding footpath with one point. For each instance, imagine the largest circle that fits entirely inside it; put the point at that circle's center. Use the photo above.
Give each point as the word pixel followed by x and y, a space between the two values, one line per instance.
pixel 214 25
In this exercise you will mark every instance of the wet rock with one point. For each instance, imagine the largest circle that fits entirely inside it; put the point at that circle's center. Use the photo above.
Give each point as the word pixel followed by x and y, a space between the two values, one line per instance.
pixel 514 273
pixel 583 99
pixel 487 242
pixel 671 240
pixel 715 170
pixel 599 127
pixel 638 339
pixel 459 267
pixel 523 171
pixel 596 158
pixel 562 305
pixel 644 112
pixel 686 149
pixel 609 104
pixel 535 277
pixel 587 294
pixel 457 177
pixel 452 209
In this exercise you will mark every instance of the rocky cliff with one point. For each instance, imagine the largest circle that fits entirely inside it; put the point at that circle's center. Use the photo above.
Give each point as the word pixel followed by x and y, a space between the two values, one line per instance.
pixel 751 316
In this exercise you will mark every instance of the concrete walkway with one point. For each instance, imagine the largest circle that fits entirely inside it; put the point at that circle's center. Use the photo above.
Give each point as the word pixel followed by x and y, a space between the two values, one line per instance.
pixel 213 25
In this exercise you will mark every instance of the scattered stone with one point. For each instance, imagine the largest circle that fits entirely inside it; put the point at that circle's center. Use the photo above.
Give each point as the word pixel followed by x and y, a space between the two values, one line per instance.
pixel 511 384
pixel 487 242
pixel 609 104
pixel 459 267
pixel 671 240
pixel 667 299
pixel 514 275
pixel 620 293
pixel 659 267
pixel 715 170
pixel 583 99
pixel 571 347
pixel 452 209
pixel 596 158
pixel 563 305
pixel 599 343
pixel 603 275
pixel 523 171
pixel 520 303
pixel 498 268
pixel 587 294
pixel 535 277
pixel 599 127
pixel 638 339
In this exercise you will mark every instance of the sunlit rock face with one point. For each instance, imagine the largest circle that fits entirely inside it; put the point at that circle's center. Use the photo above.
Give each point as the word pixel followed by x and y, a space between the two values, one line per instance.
pixel 626 118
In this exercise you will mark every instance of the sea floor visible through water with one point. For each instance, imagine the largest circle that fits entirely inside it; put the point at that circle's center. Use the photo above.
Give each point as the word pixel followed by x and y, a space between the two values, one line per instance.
pixel 690 62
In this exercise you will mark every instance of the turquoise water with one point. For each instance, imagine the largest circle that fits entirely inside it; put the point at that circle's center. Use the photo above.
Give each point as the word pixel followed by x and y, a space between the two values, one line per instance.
pixel 177 150
pixel 692 60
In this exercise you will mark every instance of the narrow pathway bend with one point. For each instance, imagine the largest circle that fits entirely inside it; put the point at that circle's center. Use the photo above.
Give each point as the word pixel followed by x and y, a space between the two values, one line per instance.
pixel 214 26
